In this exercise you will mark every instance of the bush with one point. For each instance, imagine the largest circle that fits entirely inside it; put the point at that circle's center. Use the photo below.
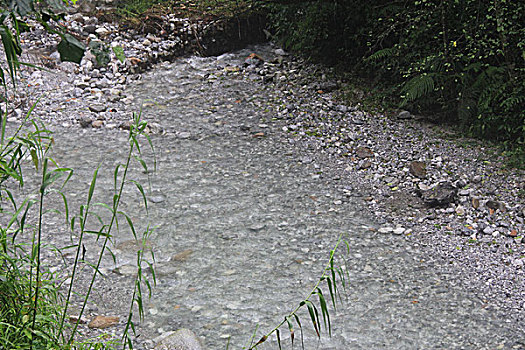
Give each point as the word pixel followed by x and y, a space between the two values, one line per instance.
pixel 462 60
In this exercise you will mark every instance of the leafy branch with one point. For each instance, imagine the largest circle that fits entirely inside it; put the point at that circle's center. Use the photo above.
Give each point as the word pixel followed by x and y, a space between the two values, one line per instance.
pixel 330 274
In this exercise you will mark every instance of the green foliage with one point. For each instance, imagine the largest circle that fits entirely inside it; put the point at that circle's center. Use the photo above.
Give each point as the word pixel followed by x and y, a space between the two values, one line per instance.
pixel 463 60
pixel 32 313
pixel 119 53
pixel 331 276
pixel 101 52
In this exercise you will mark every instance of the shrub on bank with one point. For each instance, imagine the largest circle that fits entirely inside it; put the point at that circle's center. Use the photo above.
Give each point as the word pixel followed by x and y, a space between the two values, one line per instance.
pixel 463 61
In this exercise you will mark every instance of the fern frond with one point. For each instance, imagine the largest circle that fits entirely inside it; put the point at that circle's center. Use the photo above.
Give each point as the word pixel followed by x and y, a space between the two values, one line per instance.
pixel 513 101
pixel 381 54
pixel 417 87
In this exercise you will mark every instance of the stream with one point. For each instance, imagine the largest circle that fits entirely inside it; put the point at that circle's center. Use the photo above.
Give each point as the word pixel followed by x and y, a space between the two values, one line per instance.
pixel 244 217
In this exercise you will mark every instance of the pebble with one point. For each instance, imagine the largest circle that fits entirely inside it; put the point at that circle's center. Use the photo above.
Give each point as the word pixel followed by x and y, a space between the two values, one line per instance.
pixel 399 230
pixel 102 31
pixel 97 108
pixel 385 229
pixel 97 124
pixel 102 322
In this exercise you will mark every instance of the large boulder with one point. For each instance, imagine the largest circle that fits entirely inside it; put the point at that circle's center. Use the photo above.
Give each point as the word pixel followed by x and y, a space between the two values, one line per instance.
pixel 182 339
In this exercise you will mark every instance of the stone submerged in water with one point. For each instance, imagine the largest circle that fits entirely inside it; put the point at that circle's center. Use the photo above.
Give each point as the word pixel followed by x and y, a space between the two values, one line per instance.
pixel 103 322
pixel 182 339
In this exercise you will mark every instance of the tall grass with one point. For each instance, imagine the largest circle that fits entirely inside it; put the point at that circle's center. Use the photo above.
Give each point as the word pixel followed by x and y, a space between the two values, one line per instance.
pixel 32 311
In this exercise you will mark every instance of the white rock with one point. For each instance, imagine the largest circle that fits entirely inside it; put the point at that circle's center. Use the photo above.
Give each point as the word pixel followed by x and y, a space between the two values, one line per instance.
pixel 424 187
pixel 102 31
pixel 399 230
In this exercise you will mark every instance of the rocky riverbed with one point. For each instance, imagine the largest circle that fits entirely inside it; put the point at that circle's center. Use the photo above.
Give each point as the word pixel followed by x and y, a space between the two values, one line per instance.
pixel 411 195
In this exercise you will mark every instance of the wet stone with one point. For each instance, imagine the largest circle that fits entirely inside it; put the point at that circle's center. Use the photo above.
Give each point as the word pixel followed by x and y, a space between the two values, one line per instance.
pixel 182 339
pixel 418 169
pixel 97 108
pixel 157 198
pixel 85 121
pixel 102 322
pixel 404 115
pixel 440 195
pixel 97 124
pixel 494 205
pixel 364 152
pixel 182 256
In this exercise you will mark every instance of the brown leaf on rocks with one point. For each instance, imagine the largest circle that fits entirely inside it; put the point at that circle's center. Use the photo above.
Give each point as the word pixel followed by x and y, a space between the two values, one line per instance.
pixel 418 169
pixel 231 69
pixel 364 152
pixel 259 134
pixel 103 322
pixel 256 56
pixel 513 233
pixel 134 60
pixel 475 203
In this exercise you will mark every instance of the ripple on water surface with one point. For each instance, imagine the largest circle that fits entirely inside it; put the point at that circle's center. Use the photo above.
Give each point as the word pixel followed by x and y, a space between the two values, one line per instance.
pixel 243 229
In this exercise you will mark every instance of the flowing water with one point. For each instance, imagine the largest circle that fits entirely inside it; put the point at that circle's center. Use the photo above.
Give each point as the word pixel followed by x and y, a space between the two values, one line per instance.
pixel 243 226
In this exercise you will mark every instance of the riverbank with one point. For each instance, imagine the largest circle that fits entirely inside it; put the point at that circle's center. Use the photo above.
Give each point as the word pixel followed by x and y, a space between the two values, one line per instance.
pixel 391 165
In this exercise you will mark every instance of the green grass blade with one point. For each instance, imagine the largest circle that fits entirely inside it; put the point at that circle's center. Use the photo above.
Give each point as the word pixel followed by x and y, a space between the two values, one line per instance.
pixel 290 328
pixel 324 311
pixel 130 223
pixel 300 328
pixel 141 190
pixel 312 317
pixel 330 288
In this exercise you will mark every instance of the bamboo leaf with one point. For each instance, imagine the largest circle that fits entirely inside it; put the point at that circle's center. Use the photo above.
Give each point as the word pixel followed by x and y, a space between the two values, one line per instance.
pixel 300 328
pixel 115 177
pixel 347 246
pixel 330 288
pixel 324 310
pixel 34 157
pixel 290 328
pixel 66 207
pixel 141 190
pixel 130 223
pixel 342 278
pixel 332 270
pixel 312 317
pixel 142 163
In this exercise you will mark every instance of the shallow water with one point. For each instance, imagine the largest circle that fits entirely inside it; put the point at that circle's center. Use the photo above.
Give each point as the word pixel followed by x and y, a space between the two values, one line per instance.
pixel 255 225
